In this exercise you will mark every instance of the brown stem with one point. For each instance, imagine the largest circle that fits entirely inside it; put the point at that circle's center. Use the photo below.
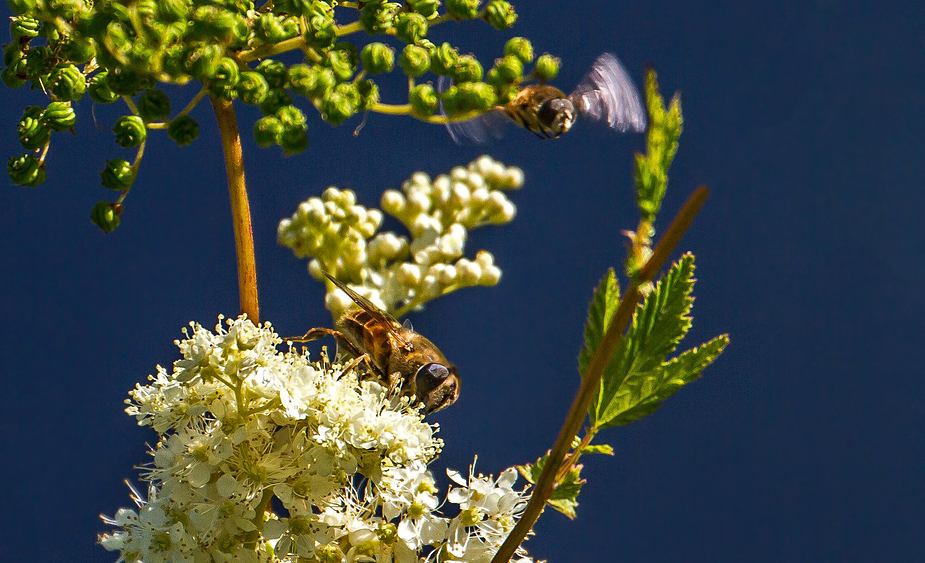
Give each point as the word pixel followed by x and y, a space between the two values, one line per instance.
pixel 621 319
pixel 240 208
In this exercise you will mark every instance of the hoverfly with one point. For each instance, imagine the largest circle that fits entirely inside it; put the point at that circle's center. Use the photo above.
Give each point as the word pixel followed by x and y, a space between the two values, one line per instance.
pixel 606 93
pixel 393 352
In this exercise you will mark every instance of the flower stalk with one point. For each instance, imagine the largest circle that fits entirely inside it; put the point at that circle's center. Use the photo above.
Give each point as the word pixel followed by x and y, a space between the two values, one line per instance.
pixel 621 319
pixel 240 207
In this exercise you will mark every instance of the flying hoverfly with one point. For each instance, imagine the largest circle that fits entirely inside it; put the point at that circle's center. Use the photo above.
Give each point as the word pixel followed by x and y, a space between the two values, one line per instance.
pixel 606 93
pixel 393 352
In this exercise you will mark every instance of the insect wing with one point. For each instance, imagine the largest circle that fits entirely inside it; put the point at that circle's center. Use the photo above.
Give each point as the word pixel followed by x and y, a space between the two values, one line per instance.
pixel 387 320
pixel 478 130
pixel 607 93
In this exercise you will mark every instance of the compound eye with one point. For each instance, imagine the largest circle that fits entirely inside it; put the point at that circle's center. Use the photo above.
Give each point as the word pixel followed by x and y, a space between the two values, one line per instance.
pixel 429 376
pixel 556 114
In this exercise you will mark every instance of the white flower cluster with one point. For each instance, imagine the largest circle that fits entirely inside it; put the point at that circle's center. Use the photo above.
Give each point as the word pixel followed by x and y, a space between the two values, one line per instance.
pixel 264 456
pixel 394 273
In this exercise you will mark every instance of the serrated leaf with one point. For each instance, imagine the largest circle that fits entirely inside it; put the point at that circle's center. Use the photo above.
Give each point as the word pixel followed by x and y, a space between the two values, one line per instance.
pixel 659 324
pixel 642 393
pixel 564 496
pixel 605 449
pixel 603 306
pixel 651 170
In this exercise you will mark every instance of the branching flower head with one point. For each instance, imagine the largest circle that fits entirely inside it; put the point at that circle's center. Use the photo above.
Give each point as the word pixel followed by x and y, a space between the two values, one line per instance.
pixel 395 273
pixel 267 456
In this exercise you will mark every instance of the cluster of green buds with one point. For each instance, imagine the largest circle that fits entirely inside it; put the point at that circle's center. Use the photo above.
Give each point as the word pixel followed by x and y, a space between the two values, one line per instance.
pixel 395 273
pixel 131 49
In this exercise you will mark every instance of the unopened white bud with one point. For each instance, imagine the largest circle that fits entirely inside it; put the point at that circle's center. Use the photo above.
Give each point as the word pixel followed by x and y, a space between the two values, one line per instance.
pixel 355 214
pixel 420 179
pixel 393 202
pixel 315 269
pixel 459 174
pixel 447 275
pixel 337 301
pixel 478 197
pixel 430 287
pixel 347 198
pixel 512 179
pixel 469 273
pixel 491 275
pixel 442 183
pixel 418 202
pixel 330 194
pixel 505 214
pixel 459 195
pixel 475 181
pixel 408 275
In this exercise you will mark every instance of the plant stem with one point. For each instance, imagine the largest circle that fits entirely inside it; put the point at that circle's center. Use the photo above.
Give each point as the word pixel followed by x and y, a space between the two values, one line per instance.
pixel 621 319
pixel 240 208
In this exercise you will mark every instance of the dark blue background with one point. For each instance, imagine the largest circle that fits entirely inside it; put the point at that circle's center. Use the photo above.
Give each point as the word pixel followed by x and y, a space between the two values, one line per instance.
pixel 803 443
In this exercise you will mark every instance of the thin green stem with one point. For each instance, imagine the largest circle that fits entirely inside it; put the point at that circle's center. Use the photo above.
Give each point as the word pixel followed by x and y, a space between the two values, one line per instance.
pixel 405 109
pixel 348 28
pixel 270 50
pixel 621 319
pixel 240 208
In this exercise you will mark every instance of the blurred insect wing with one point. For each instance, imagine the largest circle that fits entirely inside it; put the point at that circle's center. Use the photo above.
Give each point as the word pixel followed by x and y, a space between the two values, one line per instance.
pixel 608 94
pixel 386 320
pixel 478 130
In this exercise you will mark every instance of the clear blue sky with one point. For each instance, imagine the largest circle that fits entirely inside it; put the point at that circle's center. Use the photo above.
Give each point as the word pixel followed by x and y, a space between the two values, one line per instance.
pixel 804 442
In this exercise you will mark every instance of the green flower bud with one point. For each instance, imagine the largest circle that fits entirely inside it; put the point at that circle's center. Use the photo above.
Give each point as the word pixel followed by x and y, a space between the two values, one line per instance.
pixel 414 60
pixel 427 8
pixel 466 69
pixel 77 50
pixel 340 63
pixel 462 9
pixel 184 130
pixel 39 62
pixel 268 27
pixel 340 104
pixel 22 6
pixel 378 17
pixel 443 59
pixel 67 83
pixel 118 175
pixel 509 69
pixel 24 26
pixel 105 215
pixel 450 99
pixel 276 99
pixel 369 94
pixel 311 82
pixel 547 67
pixel 290 116
pixel 130 131
pixel 124 82
pixel 423 99
pixel 211 23
pixel 377 58
pixel 154 105
pixel 521 48
pixel 274 72
pixel 202 62
pixel 321 31
pixel 32 132
pixel 169 11
pixel 14 76
pixel 294 139
pixel 225 81
pixel 59 116
pixel 25 170
pixel 411 27
pixel 268 130
pixel 253 88
pixel 65 9
pixel 99 89
pixel 500 14
pixel 476 96
pixel 12 53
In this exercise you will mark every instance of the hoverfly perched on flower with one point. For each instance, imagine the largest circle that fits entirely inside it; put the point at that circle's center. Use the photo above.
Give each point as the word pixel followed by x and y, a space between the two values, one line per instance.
pixel 393 352
pixel 606 93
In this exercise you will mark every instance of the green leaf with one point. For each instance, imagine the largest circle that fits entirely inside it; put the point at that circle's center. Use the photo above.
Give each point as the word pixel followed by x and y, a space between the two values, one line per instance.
pixel 661 145
pixel 641 394
pixel 605 449
pixel 563 497
pixel 603 306
pixel 638 376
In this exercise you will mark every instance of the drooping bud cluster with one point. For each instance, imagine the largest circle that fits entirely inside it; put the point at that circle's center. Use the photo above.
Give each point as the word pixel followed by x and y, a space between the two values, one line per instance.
pixel 244 429
pixel 126 48
pixel 395 273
